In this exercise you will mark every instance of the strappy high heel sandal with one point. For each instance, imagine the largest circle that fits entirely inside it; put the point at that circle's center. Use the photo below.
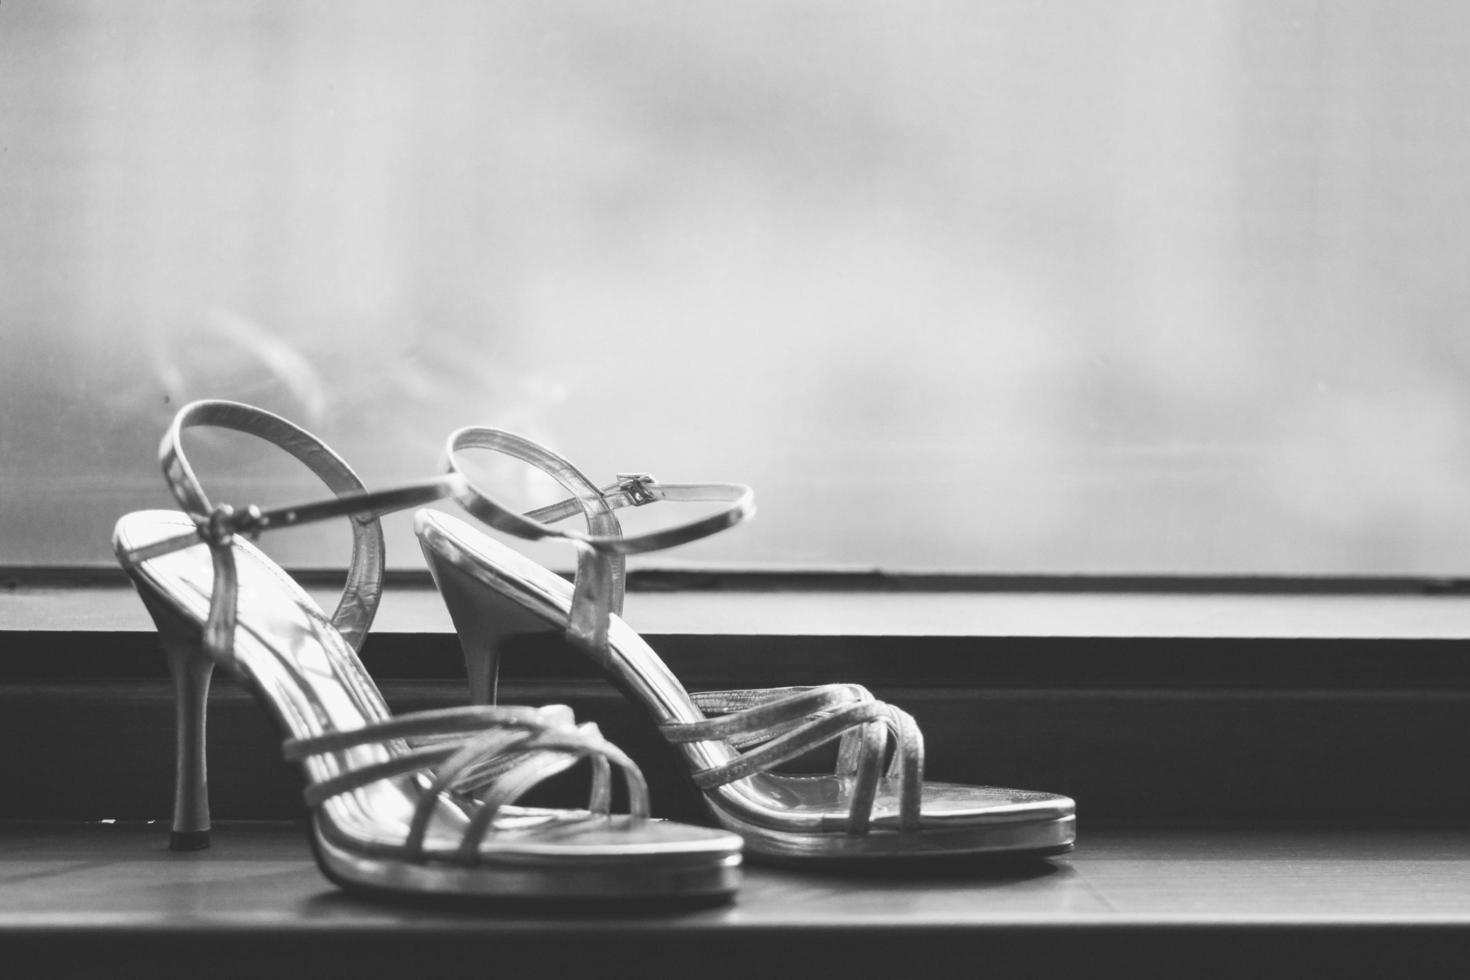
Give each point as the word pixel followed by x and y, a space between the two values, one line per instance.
pixel 422 803
pixel 875 805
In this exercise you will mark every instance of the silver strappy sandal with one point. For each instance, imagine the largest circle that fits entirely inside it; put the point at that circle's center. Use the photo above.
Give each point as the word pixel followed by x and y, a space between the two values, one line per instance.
pixel 875 805
pixel 423 803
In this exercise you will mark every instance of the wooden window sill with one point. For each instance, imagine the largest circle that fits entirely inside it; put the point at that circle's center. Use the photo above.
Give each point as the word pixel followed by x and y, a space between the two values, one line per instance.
pixel 1166 902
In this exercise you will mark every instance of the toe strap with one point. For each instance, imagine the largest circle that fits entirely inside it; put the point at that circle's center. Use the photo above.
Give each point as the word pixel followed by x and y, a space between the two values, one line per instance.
pixel 749 717
pixel 486 757
pixel 585 742
pixel 774 725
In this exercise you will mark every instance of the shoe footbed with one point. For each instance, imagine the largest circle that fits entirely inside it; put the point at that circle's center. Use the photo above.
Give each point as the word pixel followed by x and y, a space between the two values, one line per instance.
pixel 782 801
pixel 313 682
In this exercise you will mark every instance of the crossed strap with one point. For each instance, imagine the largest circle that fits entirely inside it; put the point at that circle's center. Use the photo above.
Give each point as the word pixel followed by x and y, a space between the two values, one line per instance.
pixel 601 549
pixel 487 757
pixel 216 525
pixel 778 724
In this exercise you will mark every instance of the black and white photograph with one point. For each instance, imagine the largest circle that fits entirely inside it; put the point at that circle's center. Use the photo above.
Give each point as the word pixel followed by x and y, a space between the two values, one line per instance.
pixel 734 489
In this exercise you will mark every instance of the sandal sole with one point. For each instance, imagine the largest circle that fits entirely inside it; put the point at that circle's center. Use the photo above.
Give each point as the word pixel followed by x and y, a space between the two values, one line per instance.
pixel 997 840
pixel 618 880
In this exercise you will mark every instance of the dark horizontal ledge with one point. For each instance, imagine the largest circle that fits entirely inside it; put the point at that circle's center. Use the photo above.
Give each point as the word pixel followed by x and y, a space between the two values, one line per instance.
pixel 96 748
pixel 14 577
pixel 1141 706
pixel 1327 667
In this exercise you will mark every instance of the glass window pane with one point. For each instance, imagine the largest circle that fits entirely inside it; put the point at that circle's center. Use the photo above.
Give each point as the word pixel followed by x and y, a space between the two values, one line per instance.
pixel 1034 286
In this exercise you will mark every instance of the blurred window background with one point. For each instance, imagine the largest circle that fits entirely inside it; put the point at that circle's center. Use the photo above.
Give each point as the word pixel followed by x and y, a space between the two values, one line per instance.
pixel 1031 286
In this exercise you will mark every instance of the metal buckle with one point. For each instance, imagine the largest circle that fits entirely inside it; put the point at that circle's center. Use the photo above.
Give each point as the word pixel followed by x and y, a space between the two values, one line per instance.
pixel 224 522
pixel 636 485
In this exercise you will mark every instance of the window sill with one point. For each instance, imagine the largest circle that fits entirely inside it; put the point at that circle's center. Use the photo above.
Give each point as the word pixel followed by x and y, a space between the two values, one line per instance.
pixel 1151 902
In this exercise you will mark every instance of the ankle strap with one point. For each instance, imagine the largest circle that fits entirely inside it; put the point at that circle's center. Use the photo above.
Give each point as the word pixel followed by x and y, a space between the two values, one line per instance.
pixel 217 524
pixel 599 587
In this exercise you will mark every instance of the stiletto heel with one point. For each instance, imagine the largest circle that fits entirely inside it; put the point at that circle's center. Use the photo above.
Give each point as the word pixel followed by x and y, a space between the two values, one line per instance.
pixel 485 622
pixel 423 803
pixel 875 805
pixel 190 669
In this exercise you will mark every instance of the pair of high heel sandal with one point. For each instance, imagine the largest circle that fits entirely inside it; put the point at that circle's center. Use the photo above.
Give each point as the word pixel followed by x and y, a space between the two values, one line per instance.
pixel 429 802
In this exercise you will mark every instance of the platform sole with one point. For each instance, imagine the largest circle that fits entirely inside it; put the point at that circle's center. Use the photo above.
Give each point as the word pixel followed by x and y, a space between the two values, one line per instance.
pixel 1039 838
pixel 695 883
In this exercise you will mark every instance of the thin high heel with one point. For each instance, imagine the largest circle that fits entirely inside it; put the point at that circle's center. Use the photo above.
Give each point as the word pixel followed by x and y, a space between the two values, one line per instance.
pixel 875 805
pixel 190 670
pixel 423 803
pixel 485 622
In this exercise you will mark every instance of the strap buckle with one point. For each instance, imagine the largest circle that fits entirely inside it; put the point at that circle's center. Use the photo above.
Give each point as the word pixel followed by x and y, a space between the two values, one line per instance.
pixel 636 486
pixel 224 522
